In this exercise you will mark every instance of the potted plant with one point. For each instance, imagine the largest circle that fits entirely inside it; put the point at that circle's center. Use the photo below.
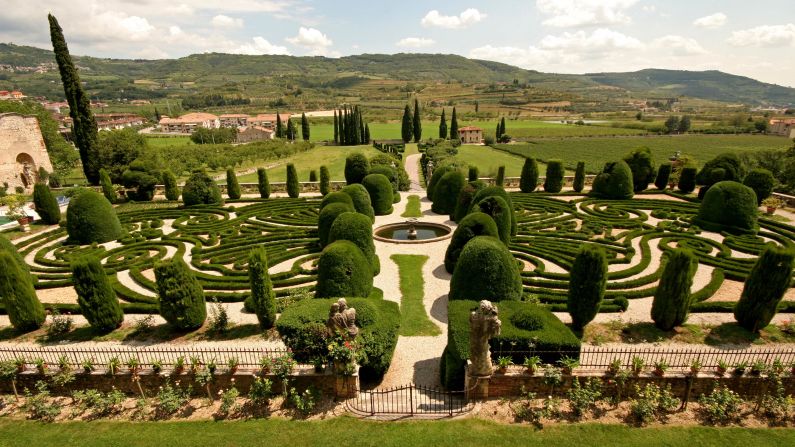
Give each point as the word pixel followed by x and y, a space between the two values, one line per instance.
pixel 758 367
pixel 722 368
pixel 772 203
pixel 157 366
pixel 265 364
pixel 503 362
pixel 16 209
pixel 739 369
pixel 133 364
pixel 568 364
pixel 179 364
pixel 232 363
pixel 531 364
pixel 20 363
pixel 317 363
pixel 113 366
pixel 637 365
pixel 660 367
pixel 695 367
pixel 41 365
pixel 615 367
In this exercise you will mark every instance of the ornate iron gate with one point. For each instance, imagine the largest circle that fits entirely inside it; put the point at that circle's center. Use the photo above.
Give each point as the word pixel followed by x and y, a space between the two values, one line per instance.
pixel 409 400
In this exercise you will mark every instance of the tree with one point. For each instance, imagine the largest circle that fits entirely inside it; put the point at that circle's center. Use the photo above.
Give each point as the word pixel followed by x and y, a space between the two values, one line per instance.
pixel 761 126
pixel 671 303
pixel 170 185
pixel 671 124
pixel 325 181
pixel 84 125
pixel 367 138
pixel 356 167
pixel 642 166
pixel 497 134
pixel 687 179
pixel 118 149
pixel 417 122
pixel 684 124
pixel 407 127
pixel 19 297
pixel 232 185
pixel 200 189
pixel 181 296
pixel 554 178
pixel 291 131
pixel 95 296
pixel 762 182
pixel 263 299
pixel 587 283
pixel 143 177
pixel 263 185
pixel 453 126
pixel 279 126
pixel 500 176
pixel 293 187
pixel 336 129
pixel 304 127
pixel 502 127
pixel 579 177
pixel 107 186
pixel 528 182
pixel 46 205
pixel 443 127
pixel 663 175
pixel 769 279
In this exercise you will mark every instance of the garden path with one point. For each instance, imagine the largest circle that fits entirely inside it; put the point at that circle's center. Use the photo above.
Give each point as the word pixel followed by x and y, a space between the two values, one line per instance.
pixel 413 170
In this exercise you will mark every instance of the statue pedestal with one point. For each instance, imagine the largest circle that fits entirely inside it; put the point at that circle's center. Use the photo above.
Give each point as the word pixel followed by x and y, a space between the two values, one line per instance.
pixel 347 386
pixel 476 387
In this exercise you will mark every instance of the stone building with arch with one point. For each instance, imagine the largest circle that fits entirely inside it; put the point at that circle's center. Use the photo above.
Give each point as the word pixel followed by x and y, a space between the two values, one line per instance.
pixel 22 151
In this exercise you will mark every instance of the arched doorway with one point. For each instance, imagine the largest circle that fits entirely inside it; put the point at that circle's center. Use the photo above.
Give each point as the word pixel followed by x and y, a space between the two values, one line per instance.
pixel 26 169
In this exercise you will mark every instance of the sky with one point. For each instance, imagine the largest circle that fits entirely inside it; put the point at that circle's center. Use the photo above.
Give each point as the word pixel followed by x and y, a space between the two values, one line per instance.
pixel 562 36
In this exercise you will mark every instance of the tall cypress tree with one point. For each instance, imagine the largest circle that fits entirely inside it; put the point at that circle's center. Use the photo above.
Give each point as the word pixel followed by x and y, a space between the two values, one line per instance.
pixel 343 140
pixel 502 126
pixel 279 126
pixel 304 127
pixel 95 296
pixel 453 126
pixel 84 126
pixel 443 127
pixel 336 129
pixel 528 182
pixel 671 303
pixel 19 297
pixel 263 185
pixel 587 283
pixel 417 122
pixel 769 279
pixel 407 128
pixel 292 132
pixel 263 300
pixel 366 133
pixel 497 133
pixel 362 139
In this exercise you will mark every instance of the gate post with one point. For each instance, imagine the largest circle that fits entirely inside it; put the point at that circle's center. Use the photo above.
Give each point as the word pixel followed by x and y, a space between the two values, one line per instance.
pixel 475 387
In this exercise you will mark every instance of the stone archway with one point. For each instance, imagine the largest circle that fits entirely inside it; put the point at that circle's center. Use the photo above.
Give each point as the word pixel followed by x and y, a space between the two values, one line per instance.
pixel 26 169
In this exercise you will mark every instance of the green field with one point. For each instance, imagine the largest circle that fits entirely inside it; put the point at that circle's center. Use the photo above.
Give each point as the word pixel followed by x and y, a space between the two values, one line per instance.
pixel 596 151
pixel 488 160
pixel 160 141
pixel 331 156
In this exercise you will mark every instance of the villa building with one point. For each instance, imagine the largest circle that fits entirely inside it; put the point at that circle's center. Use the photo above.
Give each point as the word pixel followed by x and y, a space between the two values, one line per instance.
pixel 189 122
pixel 470 135
pixel 783 127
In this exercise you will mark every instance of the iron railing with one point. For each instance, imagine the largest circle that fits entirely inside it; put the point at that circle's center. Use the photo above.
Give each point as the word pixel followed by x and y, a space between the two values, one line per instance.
pixel 413 400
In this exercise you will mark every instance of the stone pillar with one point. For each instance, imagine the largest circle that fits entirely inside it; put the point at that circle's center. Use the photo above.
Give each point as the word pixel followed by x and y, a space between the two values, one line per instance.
pixel 476 387
pixel 346 387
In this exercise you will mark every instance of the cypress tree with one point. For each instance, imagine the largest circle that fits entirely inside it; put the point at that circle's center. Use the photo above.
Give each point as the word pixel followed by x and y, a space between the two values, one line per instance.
pixel 343 140
pixel 279 126
pixel 181 296
pixel 443 127
pixel 304 127
pixel 453 126
pixel 407 128
pixel 502 126
pixel 687 180
pixel 262 183
pixel 107 186
pixel 361 125
pixel 554 178
pixel 336 129
pixel 417 122
pixel 46 205
pixel 579 177
pixel 367 138
pixel 293 188
pixel 529 178
pixel 325 181
pixel 500 176
pixel 497 133
pixel 663 174
pixel 671 303
pixel 232 185
pixel 263 300
pixel 769 279
pixel 587 282
pixel 95 295
pixel 19 297
pixel 84 125
pixel 473 174
pixel 312 175
pixel 292 132
pixel 170 185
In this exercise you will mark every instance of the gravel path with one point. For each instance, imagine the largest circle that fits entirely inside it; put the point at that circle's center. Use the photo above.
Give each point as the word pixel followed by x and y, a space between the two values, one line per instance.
pixel 413 170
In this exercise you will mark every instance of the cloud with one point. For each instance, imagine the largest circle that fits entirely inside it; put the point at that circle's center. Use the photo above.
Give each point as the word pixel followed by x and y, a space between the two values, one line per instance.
pixel 260 46
pixel 764 36
pixel 415 42
pixel 679 45
pixel 711 21
pixel 573 13
pixel 434 19
pixel 222 21
pixel 313 40
pixel 121 26
pixel 598 41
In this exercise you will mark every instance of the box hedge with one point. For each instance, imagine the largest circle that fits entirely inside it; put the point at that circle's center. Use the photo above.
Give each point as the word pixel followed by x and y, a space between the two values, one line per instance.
pixel 336 197
pixel 95 296
pixel 357 228
pixel 495 191
pixel 232 185
pixel 263 185
pixel 361 199
pixel 498 209
pixel 326 219
pixel 474 224
pixel 181 296
pixel 356 168
pixel 464 199
pixel 46 205
pixel 728 206
pixel 762 182
pixel 485 270
pixel 614 182
pixel 342 271
pixel 200 189
pixel 554 178
pixel 91 218
pixel 381 193
pixel 447 190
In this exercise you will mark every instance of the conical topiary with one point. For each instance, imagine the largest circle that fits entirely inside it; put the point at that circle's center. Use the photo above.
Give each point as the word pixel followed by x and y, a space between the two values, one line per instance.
pixel 671 303
pixel 18 295
pixel 46 205
pixel 181 296
pixel 765 287
pixel 587 283
pixel 95 296
pixel 262 300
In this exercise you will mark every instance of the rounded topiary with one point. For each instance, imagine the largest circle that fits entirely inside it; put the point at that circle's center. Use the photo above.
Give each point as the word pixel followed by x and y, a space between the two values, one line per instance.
pixel 91 218
pixel 464 200
pixel 143 178
pixel 46 205
pixel 497 208
pixel 579 177
pixel 485 270
pixel 181 295
pixel 170 185
pixel 232 185
pixel 357 228
pixel 361 200
pixel 326 218
pixel 356 168
pixel 95 296
pixel 380 190
pixel 687 179
pixel 614 182
pixel 293 187
pixel 730 164
pixel 587 283
pixel 495 191
pixel 262 299
pixel 18 295
pixel 528 182
pixel 343 271
pixel 474 224
pixel 8 247
pixel 107 186
pixel 437 175
pixel 336 197
pixel 325 181
pixel 554 179
pixel 447 191
pixel 671 303
pixel 642 167
pixel 263 185
pixel 200 189
pixel 392 175
pixel 728 206
pixel 762 182
pixel 769 279
pixel 663 175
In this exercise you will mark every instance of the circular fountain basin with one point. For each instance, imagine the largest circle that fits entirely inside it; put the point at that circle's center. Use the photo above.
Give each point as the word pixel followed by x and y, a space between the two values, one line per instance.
pixel 398 233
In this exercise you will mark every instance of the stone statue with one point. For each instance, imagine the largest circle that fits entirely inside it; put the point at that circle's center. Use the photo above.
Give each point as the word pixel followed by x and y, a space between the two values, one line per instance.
pixel 342 319
pixel 483 324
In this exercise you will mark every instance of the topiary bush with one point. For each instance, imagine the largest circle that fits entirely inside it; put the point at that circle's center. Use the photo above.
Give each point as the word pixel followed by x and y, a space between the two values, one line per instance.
pixel 728 206
pixel 263 185
pixel 95 296
pixel 687 180
pixel 326 218
pixel 485 270
pixel 587 283
pixel 46 205
pixel 181 296
pixel 464 200
pixel 762 182
pixel 380 190
pixel 200 189
pixel 671 303
pixel 642 167
pixel 232 185
pixel 614 182
pixel 528 182
pixel 769 279
pixel 361 200
pixel 343 271
pixel 447 191
pixel 312 175
pixel 472 174
pixel 554 179
pixel 91 218
pixel 663 175
pixel 18 295
pixel 437 175
pixel 325 181
pixel 495 191
pixel 579 177
pixel 730 164
pixel 336 197
pixel 8 247
pixel 262 299
pixel 474 224
pixel 357 228
pixel 293 187
pixel 500 180
pixel 107 186
pixel 170 185
pixel 143 178
pixel 496 208
pixel 392 175
pixel 356 168
pixel 401 177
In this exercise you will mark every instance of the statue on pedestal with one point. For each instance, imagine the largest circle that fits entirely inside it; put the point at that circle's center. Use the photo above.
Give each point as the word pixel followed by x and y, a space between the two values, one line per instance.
pixel 342 319
pixel 483 325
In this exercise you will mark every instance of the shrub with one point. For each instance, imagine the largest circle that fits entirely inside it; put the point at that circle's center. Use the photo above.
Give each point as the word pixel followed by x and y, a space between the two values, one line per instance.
pixel 391 174
pixel 663 174
pixel 614 182
pixel 769 279
pixel 401 177
pixel 263 300
pixel 326 218
pixel 232 185
pixel 474 224
pixel 343 271
pixel 357 228
pixel 485 270
pixel 107 186
pixel 472 175
pixel 671 303
pixel 579 177
pixel 447 191
pixel 263 185
pixel 336 197
pixel 141 177
pixel 356 168
pixel 528 182
pixel 325 181
pixel 642 167
pixel 728 206
pixel 200 189
pixel 498 210
pixel 312 175
pixel 729 164
pixel 687 180
pixel 587 283
pixel 464 199
pixel 181 296
pixel 380 191
pixel 500 180
pixel 721 406
pixel 46 205
pixel 16 291
pixel 762 182
pixel 170 185
pixel 8 247
pixel 437 175
pixel 495 191
pixel 652 402
pixel 91 218
pixel 554 179
pixel 293 187
pixel 361 200
pixel 95 296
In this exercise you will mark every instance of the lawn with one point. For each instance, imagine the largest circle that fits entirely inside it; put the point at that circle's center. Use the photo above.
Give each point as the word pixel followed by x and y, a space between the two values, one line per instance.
pixel 161 141
pixel 331 156
pixel 412 207
pixel 458 433
pixel 488 160
pixel 414 320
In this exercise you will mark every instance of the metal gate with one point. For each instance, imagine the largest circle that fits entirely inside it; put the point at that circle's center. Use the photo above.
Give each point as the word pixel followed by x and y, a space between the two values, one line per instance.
pixel 409 400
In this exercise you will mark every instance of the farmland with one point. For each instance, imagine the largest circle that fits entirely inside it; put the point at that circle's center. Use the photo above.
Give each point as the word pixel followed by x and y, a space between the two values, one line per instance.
pixel 331 156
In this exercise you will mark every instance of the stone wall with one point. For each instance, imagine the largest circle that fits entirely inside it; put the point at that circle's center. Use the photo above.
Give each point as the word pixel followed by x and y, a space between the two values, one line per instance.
pixel 21 146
